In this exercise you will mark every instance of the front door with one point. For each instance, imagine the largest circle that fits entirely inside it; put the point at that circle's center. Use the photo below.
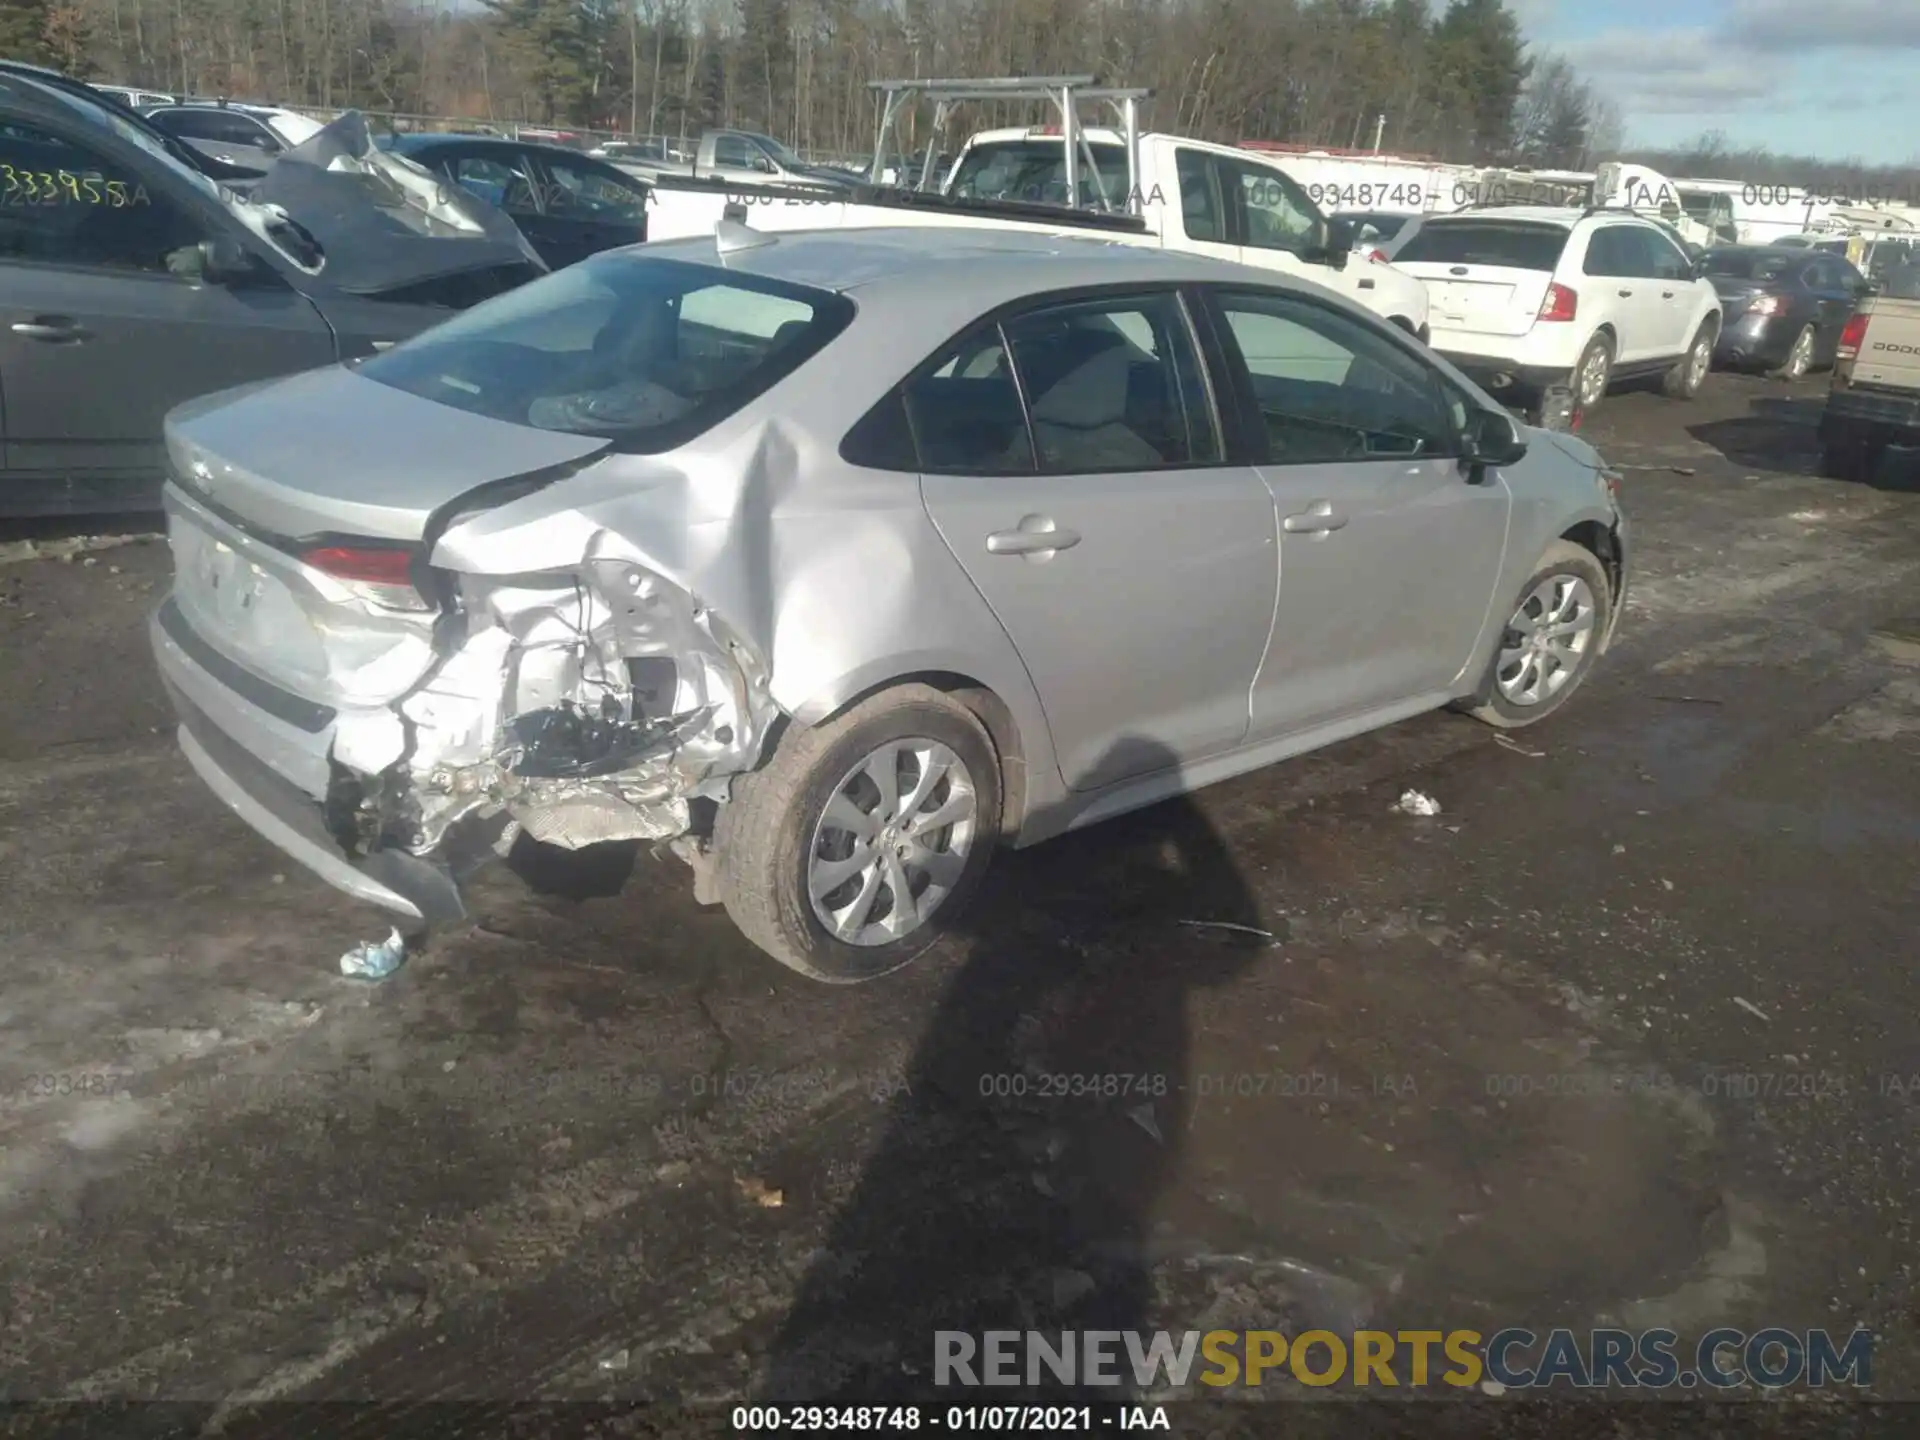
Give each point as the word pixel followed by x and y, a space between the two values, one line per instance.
pixel 103 327
pixel 1132 568
pixel 1389 552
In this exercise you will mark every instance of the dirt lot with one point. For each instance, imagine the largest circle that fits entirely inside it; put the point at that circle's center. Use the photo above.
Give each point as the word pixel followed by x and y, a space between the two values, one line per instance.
pixel 1625 1033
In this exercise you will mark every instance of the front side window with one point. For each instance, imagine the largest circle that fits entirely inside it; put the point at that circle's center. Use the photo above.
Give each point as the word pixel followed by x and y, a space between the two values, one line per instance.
pixel 62 203
pixel 734 153
pixel 1331 389
pixel 580 192
pixel 646 352
pixel 1279 214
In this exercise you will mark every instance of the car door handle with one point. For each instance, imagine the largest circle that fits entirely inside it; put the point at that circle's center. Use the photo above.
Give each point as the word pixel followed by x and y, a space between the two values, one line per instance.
pixel 1626 294
pixel 1317 519
pixel 1666 294
pixel 1036 535
pixel 55 329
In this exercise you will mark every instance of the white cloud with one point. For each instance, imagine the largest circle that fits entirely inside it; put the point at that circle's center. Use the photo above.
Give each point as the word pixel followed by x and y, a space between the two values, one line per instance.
pixel 1798 26
pixel 1675 72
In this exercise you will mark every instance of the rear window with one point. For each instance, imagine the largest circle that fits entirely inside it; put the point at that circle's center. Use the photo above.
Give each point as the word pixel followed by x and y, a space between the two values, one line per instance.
pixel 1485 242
pixel 1748 265
pixel 642 351
pixel 1036 170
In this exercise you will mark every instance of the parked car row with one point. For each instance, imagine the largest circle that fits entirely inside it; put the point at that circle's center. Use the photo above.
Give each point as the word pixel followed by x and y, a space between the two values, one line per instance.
pixel 1143 520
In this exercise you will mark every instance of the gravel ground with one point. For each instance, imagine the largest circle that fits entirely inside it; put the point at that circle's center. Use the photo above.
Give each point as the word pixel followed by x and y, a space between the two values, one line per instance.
pixel 1623 1035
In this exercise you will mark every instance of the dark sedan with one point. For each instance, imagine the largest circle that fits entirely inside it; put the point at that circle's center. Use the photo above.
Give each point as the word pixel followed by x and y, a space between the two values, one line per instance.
pixel 569 205
pixel 1783 308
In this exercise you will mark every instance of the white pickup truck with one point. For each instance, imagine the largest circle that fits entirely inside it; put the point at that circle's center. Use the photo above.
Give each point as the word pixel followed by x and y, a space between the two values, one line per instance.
pixel 738 157
pixel 1178 194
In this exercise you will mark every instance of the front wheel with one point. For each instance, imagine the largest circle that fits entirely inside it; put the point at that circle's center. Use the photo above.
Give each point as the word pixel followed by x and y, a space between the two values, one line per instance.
pixel 1684 380
pixel 861 841
pixel 1551 641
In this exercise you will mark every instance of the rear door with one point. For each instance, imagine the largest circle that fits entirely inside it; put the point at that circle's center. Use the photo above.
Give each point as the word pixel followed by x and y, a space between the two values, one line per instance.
pixel 1621 289
pixel 1132 566
pixel 1670 275
pixel 1484 275
pixel 103 328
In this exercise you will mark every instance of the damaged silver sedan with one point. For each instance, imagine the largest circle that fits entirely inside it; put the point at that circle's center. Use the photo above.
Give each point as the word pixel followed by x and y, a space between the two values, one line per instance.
pixel 839 560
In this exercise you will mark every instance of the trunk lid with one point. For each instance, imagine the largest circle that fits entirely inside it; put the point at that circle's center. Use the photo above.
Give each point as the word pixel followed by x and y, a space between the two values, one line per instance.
pixel 1484 275
pixel 1481 299
pixel 333 453
pixel 1735 296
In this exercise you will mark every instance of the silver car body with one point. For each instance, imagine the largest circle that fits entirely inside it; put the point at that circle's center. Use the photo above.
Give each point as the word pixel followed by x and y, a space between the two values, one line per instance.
pixel 1193 615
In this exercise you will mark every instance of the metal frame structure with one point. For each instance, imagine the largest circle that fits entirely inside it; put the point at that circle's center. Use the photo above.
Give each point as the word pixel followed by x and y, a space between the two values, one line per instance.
pixel 1064 92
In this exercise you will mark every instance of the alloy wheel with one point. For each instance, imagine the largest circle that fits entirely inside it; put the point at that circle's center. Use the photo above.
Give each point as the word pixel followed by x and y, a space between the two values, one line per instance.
pixel 892 842
pixel 1545 640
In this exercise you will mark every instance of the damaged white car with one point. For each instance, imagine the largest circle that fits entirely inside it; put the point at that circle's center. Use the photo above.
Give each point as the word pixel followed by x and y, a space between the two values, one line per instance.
pixel 839 559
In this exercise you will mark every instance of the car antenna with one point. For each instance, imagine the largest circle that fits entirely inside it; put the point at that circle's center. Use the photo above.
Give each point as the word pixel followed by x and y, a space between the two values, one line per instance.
pixel 732 233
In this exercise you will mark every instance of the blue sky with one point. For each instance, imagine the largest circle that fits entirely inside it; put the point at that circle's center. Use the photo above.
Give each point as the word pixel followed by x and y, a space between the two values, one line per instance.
pixel 1834 78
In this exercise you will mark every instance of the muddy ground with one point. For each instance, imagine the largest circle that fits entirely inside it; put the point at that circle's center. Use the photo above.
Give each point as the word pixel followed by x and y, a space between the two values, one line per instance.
pixel 1625 1033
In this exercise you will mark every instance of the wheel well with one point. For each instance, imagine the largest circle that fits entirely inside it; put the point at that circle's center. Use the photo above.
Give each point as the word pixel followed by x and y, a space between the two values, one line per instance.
pixel 1597 540
pixel 1612 338
pixel 1405 324
pixel 993 713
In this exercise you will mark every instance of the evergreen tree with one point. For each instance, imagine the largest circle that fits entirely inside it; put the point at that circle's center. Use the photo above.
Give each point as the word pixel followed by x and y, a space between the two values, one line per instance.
pixel 1478 56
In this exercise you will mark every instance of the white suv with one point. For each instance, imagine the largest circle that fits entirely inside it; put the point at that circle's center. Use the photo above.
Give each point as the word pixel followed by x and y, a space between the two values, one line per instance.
pixel 1526 297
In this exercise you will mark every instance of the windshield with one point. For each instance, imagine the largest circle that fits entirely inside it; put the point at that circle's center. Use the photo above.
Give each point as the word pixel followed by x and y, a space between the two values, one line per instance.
pixel 1485 242
pixel 643 351
pixel 1036 170
pixel 1755 265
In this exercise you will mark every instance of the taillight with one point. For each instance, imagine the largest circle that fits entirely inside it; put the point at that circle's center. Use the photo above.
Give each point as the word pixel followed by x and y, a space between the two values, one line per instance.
pixel 1768 305
pixel 1560 303
pixel 382 575
pixel 1851 337
pixel 1377 255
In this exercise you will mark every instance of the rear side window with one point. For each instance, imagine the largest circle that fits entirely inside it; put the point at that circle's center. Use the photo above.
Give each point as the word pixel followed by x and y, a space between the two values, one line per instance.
pixel 965 414
pixel 1485 242
pixel 648 353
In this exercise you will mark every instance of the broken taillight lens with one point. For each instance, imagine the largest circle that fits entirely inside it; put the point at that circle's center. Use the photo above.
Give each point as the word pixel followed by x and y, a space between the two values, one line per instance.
pixel 1768 305
pixel 1851 337
pixel 1377 255
pixel 382 575
pixel 1560 304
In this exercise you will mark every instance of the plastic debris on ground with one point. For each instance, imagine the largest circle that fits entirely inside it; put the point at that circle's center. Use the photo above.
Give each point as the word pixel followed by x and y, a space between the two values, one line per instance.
pixel 375 961
pixel 1414 802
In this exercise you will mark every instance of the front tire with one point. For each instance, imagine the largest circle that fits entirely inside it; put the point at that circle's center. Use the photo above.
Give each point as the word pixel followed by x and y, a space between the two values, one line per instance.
pixel 1550 643
pixel 1684 380
pixel 859 844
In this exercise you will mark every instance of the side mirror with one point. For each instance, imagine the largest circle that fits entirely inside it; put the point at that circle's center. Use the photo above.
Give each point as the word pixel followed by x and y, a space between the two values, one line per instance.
pixel 224 260
pixel 1699 267
pixel 1492 437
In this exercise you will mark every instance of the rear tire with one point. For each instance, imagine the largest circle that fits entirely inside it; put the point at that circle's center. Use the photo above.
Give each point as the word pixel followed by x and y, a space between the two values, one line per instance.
pixel 1592 373
pixel 1799 356
pixel 1684 380
pixel 1849 460
pixel 775 840
pixel 1569 603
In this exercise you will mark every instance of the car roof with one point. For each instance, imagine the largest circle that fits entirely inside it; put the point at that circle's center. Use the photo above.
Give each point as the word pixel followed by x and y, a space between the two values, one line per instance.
pixel 1526 214
pixel 946 267
pixel 415 140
